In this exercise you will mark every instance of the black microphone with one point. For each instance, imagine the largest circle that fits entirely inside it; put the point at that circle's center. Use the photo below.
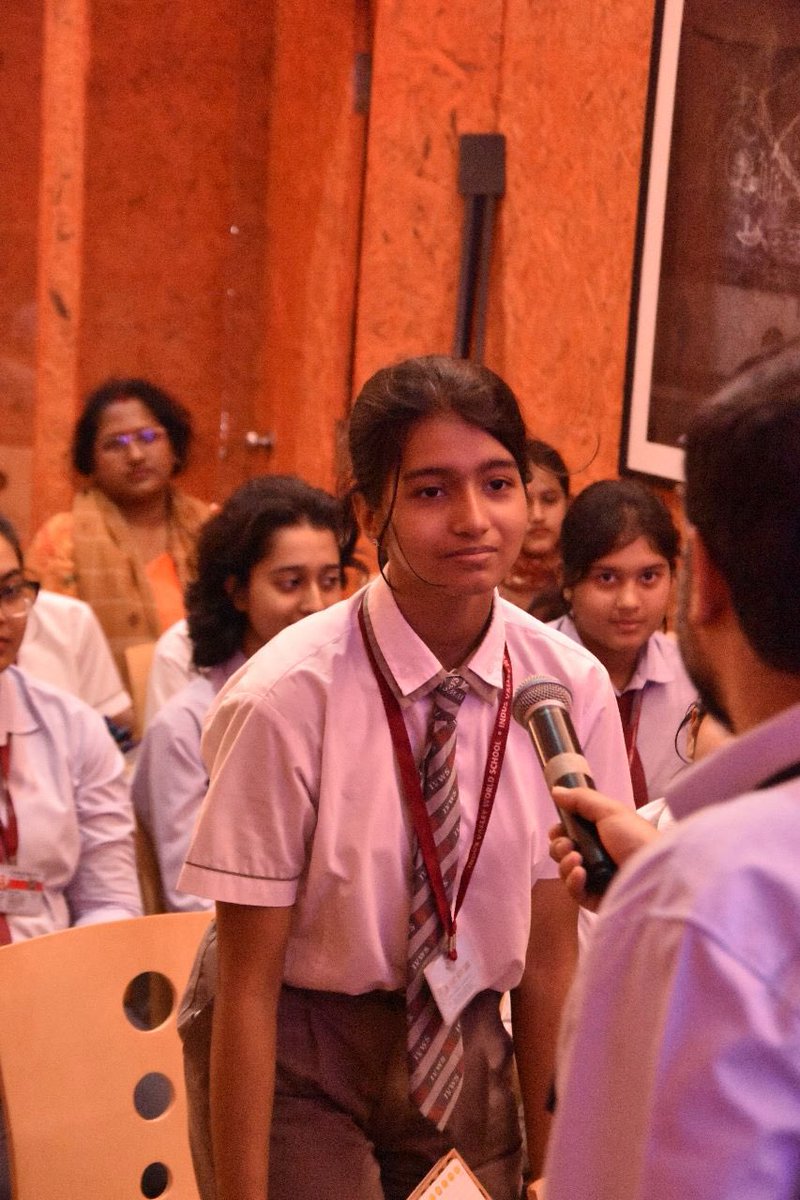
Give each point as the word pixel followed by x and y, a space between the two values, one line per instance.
pixel 542 705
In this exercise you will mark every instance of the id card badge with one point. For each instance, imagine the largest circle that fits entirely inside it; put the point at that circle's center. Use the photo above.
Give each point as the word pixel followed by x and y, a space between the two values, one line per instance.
pixel 21 894
pixel 453 983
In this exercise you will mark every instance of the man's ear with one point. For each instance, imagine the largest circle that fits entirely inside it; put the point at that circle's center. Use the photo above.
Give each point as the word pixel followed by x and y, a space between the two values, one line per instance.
pixel 709 597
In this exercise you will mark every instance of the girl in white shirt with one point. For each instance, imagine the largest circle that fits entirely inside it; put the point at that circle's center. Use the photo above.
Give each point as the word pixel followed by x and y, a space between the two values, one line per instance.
pixel 307 845
pixel 275 552
pixel 619 546
pixel 66 822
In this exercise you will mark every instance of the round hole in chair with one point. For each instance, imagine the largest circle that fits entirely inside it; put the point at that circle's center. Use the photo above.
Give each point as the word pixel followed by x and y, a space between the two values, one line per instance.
pixel 149 999
pixel 153 1095
pixel 154 1181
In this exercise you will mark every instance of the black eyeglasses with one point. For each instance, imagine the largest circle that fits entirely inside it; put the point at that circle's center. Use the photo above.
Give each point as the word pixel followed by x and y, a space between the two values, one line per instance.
pixel 17 598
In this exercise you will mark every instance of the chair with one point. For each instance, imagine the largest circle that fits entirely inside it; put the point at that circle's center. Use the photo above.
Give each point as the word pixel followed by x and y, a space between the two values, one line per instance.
pixel 148 871
pixel 71 1060
pixel 138 661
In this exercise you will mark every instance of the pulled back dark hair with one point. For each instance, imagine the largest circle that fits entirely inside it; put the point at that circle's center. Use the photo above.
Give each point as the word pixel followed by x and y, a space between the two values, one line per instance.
pixel 608 516
pixel 743 496
pixel 395 398
pixel 542 454
pixel 235 540
pixel 164 407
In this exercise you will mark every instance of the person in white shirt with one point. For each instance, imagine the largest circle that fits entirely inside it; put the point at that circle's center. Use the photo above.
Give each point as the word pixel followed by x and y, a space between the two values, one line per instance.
pixel 337 1066
pixel 680 1067
pixel 170 669
pixel 64 644
pixel 66 820
pixel 274 553
pixel 619 546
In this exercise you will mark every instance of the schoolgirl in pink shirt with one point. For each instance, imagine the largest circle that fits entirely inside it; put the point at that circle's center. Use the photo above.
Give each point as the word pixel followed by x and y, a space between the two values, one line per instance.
pixel 339 1063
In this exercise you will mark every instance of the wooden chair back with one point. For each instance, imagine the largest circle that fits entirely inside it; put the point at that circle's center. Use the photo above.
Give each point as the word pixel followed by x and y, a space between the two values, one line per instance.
pixel 138 661
pixel 74 1066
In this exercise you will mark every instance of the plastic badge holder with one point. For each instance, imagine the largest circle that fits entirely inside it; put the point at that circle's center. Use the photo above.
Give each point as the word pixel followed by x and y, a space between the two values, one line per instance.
pixel 450 1179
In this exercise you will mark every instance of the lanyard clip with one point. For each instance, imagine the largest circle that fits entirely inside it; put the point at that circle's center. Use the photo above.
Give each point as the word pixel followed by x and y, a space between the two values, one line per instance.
pixel 452 953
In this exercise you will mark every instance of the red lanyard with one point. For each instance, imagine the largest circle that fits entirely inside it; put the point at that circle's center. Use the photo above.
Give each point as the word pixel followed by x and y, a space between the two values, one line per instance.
pixel 632 727
pixel 412 787
pixel 9 836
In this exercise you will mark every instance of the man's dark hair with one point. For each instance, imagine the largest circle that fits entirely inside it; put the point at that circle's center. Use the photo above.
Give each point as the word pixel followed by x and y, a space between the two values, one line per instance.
pixel 743 496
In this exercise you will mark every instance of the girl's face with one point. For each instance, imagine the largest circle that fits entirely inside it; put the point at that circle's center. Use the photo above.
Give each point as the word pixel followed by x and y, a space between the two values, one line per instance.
pixel 133 456
pixel 459 514
pixel 12 629
pixel 547 506
pixel 299 575
pixel 622 599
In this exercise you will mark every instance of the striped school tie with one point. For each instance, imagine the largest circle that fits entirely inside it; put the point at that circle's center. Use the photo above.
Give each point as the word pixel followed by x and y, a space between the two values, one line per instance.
pixel 435 1051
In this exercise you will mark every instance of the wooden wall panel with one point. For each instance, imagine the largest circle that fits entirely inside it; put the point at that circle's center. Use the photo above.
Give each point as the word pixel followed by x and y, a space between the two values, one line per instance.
pixel 566 84
pixel 436 74
pixel 216 199
pixel 20 98
pixel 572 107
pixel 219 205
pixel 312 214
pixel 20 104
pixel 60 248
pixel 176 162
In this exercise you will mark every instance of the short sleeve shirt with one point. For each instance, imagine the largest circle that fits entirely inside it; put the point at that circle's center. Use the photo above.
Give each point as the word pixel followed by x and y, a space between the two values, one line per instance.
pixel 305 805
pixel 72 805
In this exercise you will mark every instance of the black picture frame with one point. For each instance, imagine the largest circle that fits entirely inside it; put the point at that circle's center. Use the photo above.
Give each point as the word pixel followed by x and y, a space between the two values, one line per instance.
pixel 639 454
pixel 716 273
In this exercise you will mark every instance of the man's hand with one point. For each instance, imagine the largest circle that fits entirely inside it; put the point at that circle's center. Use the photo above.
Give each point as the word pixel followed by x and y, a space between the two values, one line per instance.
pixel 621 831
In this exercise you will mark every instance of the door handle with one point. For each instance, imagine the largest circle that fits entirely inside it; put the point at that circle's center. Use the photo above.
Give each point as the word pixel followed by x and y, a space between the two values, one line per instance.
pixel 259 441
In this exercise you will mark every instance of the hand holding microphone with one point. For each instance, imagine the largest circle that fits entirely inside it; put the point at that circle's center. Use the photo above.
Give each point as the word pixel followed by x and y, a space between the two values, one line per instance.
pixel 622 832
pixel 541 705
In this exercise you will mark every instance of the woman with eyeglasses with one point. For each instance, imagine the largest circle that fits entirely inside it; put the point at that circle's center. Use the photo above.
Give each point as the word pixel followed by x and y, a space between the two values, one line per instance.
pixel 66 820
pixel 126 546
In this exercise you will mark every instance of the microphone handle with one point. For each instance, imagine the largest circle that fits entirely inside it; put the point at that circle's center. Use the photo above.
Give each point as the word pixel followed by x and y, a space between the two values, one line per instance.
pixel 552 733
pixel 600 867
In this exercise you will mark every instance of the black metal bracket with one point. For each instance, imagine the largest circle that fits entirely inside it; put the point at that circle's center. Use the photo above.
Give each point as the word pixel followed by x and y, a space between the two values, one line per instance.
pixel 481 181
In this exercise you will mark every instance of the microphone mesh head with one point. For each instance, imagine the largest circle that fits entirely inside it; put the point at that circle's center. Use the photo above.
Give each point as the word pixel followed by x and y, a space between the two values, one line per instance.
pixel 537 689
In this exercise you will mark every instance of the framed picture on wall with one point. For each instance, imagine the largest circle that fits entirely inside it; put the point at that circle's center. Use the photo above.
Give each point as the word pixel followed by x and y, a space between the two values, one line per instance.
pixel 717 258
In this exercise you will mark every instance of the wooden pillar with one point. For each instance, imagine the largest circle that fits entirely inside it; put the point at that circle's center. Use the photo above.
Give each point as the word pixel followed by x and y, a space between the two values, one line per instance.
pixel 20 90
pixel 60 249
